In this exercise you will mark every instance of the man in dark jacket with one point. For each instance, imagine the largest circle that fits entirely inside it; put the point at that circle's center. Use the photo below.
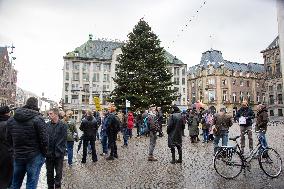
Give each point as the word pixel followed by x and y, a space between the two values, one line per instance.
pixel 261 123
pixel 174 130
pixel 160 121
pixel 245 116
pixel 28 135
pixel 89 127
pixel 57 133
pixel 6 151
pixel 113 128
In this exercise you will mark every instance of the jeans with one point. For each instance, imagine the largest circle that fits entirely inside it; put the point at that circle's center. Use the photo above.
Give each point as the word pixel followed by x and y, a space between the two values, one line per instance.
pixel 105 144
pixel 224 136
pixel 125 136
pixel 249 129
pixel 264 145
pixel 70 145
pixel 32 167
pixel 138 128
pixel 51 164
pixel 153 139
pixel 205 135
pixel 86 141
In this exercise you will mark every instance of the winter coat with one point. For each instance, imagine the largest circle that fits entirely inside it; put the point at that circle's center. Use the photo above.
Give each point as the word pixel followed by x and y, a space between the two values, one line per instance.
pixel 71 130
pixel 6 154
pixel 89 127
pixel 174 130
pixel 27 133
pixel 193 122
pixel 222 123
pixel 130 121
pixel 113 126
pixel 57 137
pixel 261 120
pixel 153 122
pixel 104 126
pixel 160 117
pixel 246 112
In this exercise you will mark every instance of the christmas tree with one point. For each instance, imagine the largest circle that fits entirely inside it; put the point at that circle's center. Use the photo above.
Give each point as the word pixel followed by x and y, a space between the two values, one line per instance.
pixel 142 75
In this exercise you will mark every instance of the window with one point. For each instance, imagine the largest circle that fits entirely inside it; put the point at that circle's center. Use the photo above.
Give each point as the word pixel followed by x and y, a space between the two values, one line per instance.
pixel 66 99
pixel 67 66
pixel 280 113
pixel 247 83
pixel 241 96
pixel 106 78
pixel 107 67
pixel 75 76
pixel 211 81
pixel 67 76
pixel 241 83
pixel 176 71
pixel 86 87
pixel 248 96
pixel 271 112
pixel 96 67
pixel 271 99
pixel 66 86
pixel 76 66
pixel 224 96
pixel 74 99
pixel 96 77
pixel 176 80
pixel 86 67
pixel 85 99
pixel 192 84
pixel 278 69
pixel 224 82
pixel 183 81
pixel 105 87
pixel 257 97
pixel 183 72
pixel 268 60
pixel 269 70
pixel 263 98
pixel 280 100
pixel 234 97
pixel 270 88
pixel 85 76
pixel 234 82
pixel 279 87
pixel 75 87
pixel 183 89
pixel 211 95
pixel 257 84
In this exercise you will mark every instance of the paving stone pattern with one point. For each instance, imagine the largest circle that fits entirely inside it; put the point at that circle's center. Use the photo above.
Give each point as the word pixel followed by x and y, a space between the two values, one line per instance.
pixel 132 170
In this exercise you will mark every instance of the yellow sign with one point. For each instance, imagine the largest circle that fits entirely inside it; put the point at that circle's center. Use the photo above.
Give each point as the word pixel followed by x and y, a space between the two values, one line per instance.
pixel 97 103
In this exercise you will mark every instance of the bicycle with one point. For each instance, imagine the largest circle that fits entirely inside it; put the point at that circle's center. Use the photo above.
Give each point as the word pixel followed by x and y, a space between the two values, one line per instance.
pixel 233 160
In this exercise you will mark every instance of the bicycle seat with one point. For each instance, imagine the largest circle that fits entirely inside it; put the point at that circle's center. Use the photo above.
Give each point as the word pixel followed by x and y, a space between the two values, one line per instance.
pixel 234 138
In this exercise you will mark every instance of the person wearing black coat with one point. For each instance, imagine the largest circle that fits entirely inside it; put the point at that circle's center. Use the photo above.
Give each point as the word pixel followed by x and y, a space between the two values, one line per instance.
pixel 89 127
pixel 28 135
pixel 57 135
pixel 174 131
pixel 6 151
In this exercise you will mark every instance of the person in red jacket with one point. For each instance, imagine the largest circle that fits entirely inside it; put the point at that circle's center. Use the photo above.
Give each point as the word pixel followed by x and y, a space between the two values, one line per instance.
pixel 130 123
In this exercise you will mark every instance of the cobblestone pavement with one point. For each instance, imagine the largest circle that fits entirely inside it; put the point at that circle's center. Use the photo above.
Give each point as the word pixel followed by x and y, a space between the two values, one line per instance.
pixel 132 170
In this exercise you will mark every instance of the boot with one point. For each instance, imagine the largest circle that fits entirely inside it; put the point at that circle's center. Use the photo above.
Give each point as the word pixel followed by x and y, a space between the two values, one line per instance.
pixel 151 158
pixel 173 156
pixel 179 156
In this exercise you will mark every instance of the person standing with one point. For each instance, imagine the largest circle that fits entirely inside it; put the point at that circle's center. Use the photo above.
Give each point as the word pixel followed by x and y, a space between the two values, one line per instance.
pixel 138 121
pixel 174 131
pixel 57 135
pixel 113 127
pixel 222 123
pixel 125 131
pixel 193 122
pixel 103 133
pixel 154 128
pixel 261 124
pixel 89 127
pixel 160 121
pixel 245 116
pixel 72 135
pixel 130 123
pixel 28 135
pixel 6 150
pixel 97 115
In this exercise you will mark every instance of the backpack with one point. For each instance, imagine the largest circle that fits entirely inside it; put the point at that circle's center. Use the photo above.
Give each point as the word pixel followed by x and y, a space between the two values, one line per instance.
pixel 145 126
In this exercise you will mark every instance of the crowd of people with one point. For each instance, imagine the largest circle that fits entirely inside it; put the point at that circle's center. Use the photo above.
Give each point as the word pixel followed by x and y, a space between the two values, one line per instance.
pixel 27 141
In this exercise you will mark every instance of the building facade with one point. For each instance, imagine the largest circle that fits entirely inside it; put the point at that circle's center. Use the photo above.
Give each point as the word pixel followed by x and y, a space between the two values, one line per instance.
pixel 273 80
pixel 8 78
pixel 220 83
pixel 88 73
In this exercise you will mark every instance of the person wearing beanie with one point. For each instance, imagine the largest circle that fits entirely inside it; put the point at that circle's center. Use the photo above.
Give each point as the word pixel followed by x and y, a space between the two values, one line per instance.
pixel 174 131
pixel 6 158
pixel 28 135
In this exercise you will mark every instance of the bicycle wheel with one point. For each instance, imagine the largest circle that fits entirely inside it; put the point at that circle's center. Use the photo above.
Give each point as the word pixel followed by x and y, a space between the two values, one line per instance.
pixel 228 163
pixel 270 162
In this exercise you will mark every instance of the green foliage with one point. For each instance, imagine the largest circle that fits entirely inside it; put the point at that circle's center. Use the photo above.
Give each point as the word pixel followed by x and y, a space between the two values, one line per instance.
pixel 143 77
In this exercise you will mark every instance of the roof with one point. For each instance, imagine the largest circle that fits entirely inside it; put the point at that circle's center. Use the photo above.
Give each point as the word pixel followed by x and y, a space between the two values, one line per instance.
pixel 215 58
pixel 103 50
pixel 274 44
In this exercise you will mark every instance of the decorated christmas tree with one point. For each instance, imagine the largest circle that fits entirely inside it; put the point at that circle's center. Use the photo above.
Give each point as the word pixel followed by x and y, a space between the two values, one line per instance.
pixel 142 75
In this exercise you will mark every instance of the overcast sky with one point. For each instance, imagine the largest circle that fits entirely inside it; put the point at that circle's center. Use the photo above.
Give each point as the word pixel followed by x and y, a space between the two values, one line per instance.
pixel 44 31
